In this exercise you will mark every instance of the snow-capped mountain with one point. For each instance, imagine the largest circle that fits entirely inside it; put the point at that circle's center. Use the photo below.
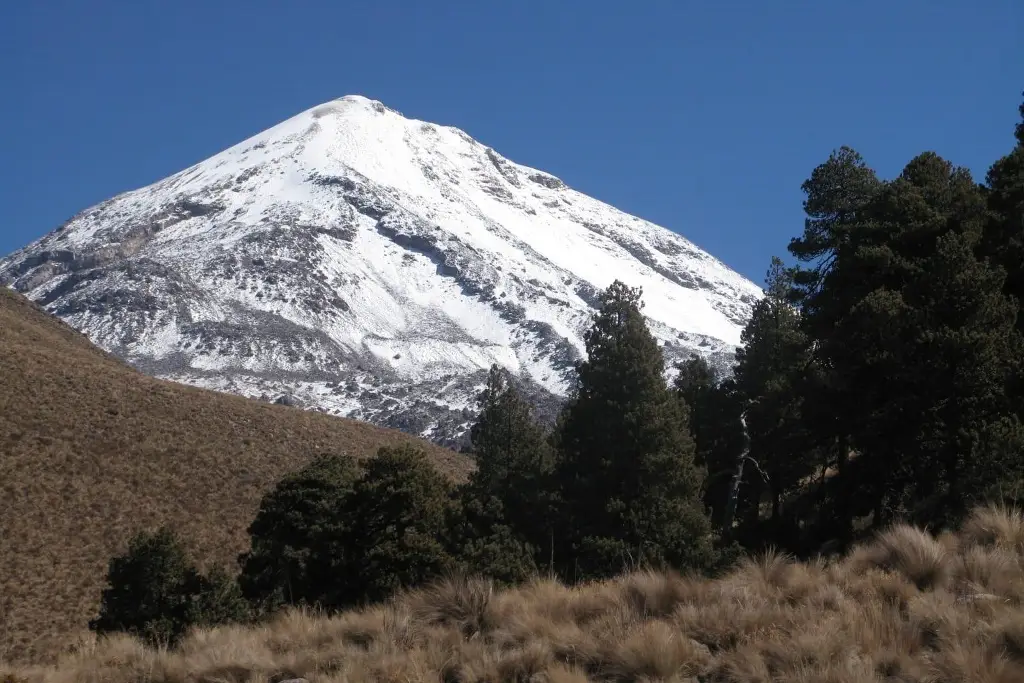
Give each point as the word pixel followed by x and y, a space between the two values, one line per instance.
pixel 365 264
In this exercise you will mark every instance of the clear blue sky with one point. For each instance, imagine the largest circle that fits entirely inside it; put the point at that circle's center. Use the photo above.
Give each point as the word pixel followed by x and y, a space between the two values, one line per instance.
pixel 704 116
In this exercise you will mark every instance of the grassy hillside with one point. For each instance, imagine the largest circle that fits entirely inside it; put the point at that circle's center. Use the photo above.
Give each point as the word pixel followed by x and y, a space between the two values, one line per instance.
pixel 906 607
pixel 91 450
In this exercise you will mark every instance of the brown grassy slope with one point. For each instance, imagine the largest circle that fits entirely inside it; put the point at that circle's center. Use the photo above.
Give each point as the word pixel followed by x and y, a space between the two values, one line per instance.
pixel 92 450
pixel 906 608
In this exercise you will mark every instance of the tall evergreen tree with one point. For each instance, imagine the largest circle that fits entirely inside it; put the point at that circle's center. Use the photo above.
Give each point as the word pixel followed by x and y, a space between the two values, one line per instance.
pixel 957 339
pixel 715 426
pixel 286 563
pixel 1004 233
pixel 513 457
pixel 630 487
pixel 506 517
pixel 837 196
pixel 917 339
pixel 1003 240
pixel 395 528
pixel 770 371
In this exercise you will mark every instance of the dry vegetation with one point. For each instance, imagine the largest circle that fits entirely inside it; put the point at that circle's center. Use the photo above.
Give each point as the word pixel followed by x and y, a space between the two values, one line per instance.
pixel 906 607
pixel 91 451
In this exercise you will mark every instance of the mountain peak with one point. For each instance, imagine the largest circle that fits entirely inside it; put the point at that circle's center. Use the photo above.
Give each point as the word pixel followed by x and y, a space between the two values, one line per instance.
pixel 361 100
pixel 373 266
pixel 357 99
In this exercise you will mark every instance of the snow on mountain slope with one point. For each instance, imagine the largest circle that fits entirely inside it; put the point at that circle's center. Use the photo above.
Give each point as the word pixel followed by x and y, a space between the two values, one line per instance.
pixel 369 265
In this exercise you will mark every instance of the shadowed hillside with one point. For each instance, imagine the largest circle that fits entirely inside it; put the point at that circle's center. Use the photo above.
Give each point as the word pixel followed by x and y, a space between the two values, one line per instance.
pixel 92 450
pixel 905 608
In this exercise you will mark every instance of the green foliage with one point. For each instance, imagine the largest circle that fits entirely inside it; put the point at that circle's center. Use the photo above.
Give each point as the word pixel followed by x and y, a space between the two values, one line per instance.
pixel 288 562
pixel 514 459
pixel 395 527
pixel 630 489
pixel 504 510
pixel 484 544
pixel 901 375
pixel 715 409
pixel 917 338
pixel 770 371
pixel 1003 240
pixel 148 590
pixel 334 536
pixel 835 197
pixel 218 600
pixel 156 594
pixel 948 342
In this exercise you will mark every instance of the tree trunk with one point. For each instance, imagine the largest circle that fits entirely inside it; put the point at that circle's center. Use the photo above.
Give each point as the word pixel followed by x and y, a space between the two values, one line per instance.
pixel 737 478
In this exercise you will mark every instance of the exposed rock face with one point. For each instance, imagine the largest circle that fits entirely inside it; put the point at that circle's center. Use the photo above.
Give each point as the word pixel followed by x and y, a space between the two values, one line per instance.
pixel 364 264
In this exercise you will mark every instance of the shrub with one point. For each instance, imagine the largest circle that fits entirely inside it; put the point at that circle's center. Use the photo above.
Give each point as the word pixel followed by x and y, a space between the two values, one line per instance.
pixel 154 593
pixel 218 600
pixel 483 545
pixel 394 527
pixel 330 538
pixel 293 557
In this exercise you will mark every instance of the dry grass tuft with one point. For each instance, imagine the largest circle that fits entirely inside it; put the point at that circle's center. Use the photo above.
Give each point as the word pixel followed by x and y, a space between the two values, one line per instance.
pixel 1010 633
pixel 559 673
pixel 463 604
pixel 92 450
pixel 996 525
pixel 658 594
pixel 894 611
pixel 654 650
pixel 911 552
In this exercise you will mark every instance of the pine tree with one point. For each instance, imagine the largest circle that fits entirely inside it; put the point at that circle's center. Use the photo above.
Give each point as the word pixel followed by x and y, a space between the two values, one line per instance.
pixel 148 590
pixel 715 426
pixel 513 458
pixel 1004 233
pixel 838 194
pixel 958 343
pixel 287 563
pixel 482 543
pixel 629 485
pixel 156 594
pixel 395 528
pixel 506 515
pixel 1003 240
pixel 916 336
pixel 334 536
pixel 218 599
pixel 770 370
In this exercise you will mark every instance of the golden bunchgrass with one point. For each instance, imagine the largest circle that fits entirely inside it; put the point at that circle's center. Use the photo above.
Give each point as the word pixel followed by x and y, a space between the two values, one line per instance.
pixel 901 608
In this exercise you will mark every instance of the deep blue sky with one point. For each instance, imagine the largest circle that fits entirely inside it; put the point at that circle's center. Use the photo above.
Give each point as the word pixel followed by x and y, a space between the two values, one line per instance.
pixel 704 117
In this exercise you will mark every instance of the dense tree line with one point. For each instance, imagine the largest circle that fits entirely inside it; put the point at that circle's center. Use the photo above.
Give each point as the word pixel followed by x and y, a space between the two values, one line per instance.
pixel 880 379
pixel 881 376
